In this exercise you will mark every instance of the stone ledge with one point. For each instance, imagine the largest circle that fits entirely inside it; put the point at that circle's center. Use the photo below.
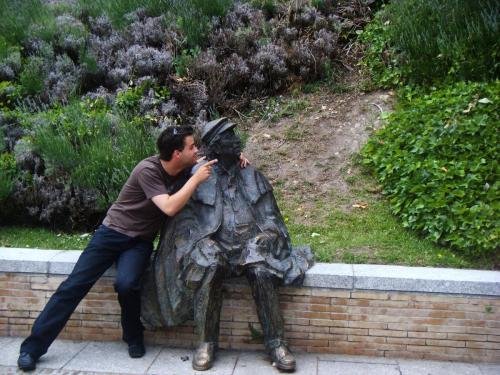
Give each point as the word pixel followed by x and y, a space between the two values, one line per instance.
pixel 322 275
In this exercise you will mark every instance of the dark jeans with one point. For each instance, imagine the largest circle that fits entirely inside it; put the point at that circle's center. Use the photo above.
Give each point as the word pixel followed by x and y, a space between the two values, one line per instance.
pixel 106 247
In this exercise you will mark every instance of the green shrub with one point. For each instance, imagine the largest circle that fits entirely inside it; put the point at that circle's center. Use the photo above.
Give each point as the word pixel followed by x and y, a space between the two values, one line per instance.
pixel 424 41
pixel 379 60
pixel 89 147
pixel 453 37
pixel 105 163
pixel 128 100
pixel 193 16
pixel 117 9
pixel 436 158
pixel 184 59
pixel 19 16
pixel 8 170
pixel 268 6
pixel 10 95
pixel 33 76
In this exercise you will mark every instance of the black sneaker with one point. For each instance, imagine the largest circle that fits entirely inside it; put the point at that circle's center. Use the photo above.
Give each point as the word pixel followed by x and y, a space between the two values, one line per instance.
pixel 26 362
pixel 136 350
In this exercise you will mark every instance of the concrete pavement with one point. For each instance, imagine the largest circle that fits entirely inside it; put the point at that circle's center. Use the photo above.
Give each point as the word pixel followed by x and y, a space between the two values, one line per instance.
pixel 98 358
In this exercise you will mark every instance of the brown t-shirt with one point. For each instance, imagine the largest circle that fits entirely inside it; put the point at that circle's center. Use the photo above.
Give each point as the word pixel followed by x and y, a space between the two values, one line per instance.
pixel 134 213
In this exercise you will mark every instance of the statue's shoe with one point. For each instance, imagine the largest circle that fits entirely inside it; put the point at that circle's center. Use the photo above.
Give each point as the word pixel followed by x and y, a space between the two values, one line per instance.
pixel 204 356
pixel 283 358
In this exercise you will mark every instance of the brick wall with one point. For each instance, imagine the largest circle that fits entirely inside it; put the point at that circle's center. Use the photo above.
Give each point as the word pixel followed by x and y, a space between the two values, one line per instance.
pixel 377 323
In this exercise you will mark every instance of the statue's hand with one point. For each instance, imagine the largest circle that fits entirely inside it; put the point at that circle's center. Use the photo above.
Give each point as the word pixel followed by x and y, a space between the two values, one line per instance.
pixel 243 161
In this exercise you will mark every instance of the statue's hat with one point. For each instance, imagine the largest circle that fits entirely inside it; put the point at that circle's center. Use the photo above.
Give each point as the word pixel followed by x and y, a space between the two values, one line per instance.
pixel 214 128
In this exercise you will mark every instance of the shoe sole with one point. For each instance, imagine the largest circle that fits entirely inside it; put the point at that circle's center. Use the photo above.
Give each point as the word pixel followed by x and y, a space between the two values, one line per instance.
pixel 29 368
pixel 285 367
pixel 202 368
pixel 136 356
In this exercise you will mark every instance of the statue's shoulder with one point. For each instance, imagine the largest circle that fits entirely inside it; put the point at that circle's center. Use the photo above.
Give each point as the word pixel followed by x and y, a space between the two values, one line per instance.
pixel 256 184
pixel 205 193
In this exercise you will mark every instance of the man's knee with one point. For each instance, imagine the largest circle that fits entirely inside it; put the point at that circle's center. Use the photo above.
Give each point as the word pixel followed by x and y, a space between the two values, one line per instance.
pixel 125 286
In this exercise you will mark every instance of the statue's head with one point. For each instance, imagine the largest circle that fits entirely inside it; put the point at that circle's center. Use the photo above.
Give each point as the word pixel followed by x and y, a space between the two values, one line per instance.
pixel 221 142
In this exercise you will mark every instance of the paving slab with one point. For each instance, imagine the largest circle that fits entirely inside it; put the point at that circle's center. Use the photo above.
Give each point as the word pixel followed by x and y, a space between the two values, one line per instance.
pixel 253 363
pixel 59 354
pixel 489 369
pixel 413 367
pixel 306 363
pixel 357 359
pixel 10 351
pixel 356 368
pixel 178 362
pixel 112 357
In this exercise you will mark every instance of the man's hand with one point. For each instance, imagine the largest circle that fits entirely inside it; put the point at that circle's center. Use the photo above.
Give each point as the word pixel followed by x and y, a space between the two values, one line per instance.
pixel 171 204
pixel 243 161
pixel 203 172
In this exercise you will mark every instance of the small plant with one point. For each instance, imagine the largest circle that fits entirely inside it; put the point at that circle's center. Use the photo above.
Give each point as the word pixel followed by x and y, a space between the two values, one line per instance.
pixel 33 76
pixel 8 171
pixel 275 109
pixel 295 132
pixel 128 100
pixel 379 60
pixel 182 61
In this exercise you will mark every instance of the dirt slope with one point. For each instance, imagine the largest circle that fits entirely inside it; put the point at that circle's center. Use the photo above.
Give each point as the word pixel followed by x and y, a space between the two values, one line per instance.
pixel 309 155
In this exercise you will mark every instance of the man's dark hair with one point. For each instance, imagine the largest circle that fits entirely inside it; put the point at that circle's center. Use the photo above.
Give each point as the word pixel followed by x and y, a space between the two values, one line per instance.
pixel 171 139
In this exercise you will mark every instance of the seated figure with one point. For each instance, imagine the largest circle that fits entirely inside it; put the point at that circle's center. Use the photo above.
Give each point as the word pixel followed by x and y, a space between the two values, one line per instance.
pixel 230 227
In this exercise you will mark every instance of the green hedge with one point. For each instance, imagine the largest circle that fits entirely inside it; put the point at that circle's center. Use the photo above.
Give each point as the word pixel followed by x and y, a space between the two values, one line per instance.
pixel 425 41
pixel 437 158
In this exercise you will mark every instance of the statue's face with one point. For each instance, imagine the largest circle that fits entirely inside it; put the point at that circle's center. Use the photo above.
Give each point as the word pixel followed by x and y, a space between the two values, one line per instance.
pixel 227 146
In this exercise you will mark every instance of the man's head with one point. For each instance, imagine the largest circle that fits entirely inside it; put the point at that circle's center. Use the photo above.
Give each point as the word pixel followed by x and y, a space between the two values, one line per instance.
pixel 177 142
pixel 222 143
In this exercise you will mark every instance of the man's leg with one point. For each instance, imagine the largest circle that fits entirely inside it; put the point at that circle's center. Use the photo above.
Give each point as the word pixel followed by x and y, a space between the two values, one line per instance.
pixel 130 268
pixel 94 261
pixel 265 294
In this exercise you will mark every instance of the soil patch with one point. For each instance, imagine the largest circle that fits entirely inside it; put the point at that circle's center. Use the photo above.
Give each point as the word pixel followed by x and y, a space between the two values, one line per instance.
pixel 309 154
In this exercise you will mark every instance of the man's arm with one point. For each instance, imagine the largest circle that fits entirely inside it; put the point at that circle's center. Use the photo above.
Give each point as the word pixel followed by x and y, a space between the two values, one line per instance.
pixel 171 204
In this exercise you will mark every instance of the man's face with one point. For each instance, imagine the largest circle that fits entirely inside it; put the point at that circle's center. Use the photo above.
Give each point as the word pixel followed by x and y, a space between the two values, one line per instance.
pixel 189 153
pixel 227 146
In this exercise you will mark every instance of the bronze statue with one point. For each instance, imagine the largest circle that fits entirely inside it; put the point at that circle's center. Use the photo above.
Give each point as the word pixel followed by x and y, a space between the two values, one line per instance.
pixel 230 227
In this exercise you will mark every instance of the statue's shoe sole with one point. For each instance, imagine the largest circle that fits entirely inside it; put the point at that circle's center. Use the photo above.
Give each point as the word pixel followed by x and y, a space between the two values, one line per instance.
pixel 202 367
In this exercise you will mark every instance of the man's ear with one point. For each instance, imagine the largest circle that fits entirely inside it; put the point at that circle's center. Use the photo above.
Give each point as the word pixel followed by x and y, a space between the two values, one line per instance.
pixel 176 154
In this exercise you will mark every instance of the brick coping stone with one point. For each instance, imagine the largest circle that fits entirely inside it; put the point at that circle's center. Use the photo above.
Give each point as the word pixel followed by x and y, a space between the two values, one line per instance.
pixel 321 275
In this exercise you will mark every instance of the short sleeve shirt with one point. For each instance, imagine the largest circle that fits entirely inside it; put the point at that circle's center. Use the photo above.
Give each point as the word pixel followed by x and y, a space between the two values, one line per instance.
pixel 134 213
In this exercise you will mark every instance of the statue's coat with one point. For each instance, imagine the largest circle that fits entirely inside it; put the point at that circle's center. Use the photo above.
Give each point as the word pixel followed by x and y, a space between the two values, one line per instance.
pixel 184 253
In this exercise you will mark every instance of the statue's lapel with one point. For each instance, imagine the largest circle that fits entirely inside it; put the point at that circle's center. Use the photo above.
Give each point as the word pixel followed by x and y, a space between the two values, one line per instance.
pixel 205 193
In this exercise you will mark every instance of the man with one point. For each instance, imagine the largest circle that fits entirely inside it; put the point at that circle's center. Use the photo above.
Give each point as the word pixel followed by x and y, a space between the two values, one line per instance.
pixel 230 227
pixel 158 186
